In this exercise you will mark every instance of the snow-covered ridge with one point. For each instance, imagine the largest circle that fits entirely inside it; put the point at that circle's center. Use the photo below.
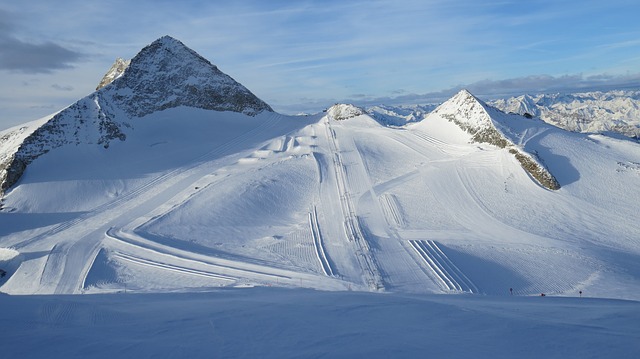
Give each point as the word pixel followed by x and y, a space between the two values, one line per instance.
pixel 485 125
pixel 616 111
pixel 10 141
pixel 588 112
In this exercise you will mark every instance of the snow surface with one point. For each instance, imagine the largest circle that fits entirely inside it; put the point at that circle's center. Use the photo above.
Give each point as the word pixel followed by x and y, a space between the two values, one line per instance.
pixel 200 199
pixel 280 323
pixel 196 199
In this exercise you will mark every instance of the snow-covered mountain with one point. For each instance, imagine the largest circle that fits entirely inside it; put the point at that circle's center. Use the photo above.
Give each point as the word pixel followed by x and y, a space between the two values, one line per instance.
pixel 589 112
pixel 174 177
pixel 612 112
pixel 166 74
pixel 173 180
pixel 487 125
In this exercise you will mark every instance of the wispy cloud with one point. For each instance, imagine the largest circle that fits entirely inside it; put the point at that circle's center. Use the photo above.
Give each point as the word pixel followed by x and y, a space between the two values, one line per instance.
pixel 27 57
pixel 62 87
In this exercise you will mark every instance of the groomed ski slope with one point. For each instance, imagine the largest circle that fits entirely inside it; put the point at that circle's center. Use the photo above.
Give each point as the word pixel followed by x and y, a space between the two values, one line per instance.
pixel 196 199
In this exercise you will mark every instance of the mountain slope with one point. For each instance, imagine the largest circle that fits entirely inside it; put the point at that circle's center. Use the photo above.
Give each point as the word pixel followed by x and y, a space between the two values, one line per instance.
pixel 486 125
pixel 328 203
pixel 165 74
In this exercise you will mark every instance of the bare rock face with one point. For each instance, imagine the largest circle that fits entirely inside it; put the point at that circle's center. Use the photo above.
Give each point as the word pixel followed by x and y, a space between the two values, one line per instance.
pixel 341 112
pixel 116 70
pixel 168 74
pixel 162 75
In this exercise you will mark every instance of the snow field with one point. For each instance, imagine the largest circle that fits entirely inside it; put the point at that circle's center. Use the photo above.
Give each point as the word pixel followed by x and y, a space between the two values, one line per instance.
pixel 277 323
pixel 314 202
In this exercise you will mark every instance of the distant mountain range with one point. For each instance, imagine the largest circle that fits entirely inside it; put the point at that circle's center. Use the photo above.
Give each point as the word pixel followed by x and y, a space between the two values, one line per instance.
pixel 588 112
pixel 613 112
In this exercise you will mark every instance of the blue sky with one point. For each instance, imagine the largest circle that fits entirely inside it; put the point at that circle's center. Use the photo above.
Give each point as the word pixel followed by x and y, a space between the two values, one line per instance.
pixel 306 55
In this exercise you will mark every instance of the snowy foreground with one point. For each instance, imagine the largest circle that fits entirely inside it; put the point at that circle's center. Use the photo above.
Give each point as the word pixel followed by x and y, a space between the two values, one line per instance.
pixel 284 323
pixel 212 233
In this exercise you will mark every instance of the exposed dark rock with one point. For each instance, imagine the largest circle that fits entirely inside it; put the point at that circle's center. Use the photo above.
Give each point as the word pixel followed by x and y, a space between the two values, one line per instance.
pixel 341 112
pixel 537 171
pixel 168 74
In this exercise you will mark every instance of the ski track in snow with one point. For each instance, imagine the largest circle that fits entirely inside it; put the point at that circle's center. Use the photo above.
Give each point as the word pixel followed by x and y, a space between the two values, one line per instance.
pixel 363 228
pixel 391 209
pixel 353 231
pixel 78 241
pixel 442 268
pixel 318 243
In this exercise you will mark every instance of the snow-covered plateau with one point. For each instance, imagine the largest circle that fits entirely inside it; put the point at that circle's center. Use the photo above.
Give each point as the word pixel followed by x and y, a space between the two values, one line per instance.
pixel 198 222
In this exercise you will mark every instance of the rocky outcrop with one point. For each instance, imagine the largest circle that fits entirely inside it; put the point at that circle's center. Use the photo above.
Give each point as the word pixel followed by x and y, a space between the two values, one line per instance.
pixel 89 121
pixel 116 70
pixel 341 112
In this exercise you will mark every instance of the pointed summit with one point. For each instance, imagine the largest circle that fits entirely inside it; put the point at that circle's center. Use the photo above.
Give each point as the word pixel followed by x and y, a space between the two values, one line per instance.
pixel 480 120
pixel 468 110
pixel 167 74
pixel 164 74
pixel 472 115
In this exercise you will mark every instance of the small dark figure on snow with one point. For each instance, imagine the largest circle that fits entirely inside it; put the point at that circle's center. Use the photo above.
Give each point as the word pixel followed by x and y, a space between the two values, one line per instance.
pixel 511 291
pixel 2 273
pixel 543 295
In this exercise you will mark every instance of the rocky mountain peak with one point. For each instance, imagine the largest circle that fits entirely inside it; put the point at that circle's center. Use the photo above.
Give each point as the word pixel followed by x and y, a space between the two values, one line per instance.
pixel 467 111
pixel 344 111
pixel 167 74
pixel 477 118
pixel 164 74
pixel 116 70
